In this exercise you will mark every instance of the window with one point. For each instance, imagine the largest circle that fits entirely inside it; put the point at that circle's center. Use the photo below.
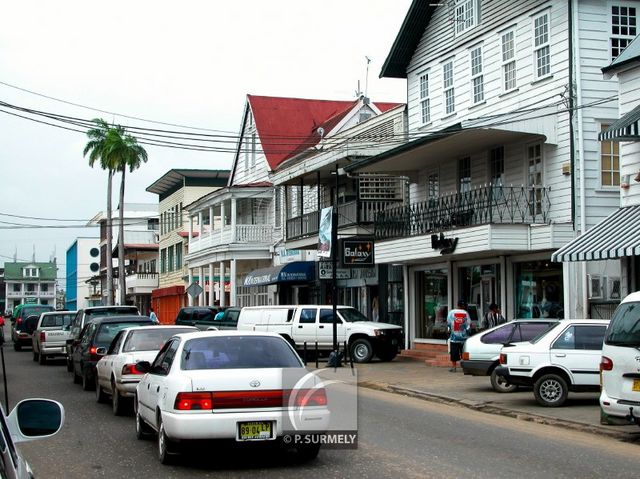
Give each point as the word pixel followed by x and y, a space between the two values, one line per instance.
pixel 16 288
pixel 44 288
pixel 170 258
pixel 464 175
pixel 623 28
pixel 425 111
pixel 163 260
pixel 30 272
pixel 447 84
pixel 508 61
pixel 609 161
pixel 498 336
pixel 534 159
pixel 433 188
pixel 541 45
pixel 496 166
pixel 31 288
pixel 582 337
pixel 94 252
pixel 326 317
pixel 477 81
pixel 467 15
pixel 178 251
pixel 308 316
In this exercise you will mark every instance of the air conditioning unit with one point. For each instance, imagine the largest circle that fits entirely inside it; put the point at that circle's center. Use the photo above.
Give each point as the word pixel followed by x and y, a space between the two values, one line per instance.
pixel 595 286
pixel 156 238
pixel 613 287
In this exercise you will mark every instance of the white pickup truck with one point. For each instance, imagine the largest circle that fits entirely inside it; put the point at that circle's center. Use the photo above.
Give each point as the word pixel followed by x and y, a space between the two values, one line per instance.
pixel 51 334
pixel 311 324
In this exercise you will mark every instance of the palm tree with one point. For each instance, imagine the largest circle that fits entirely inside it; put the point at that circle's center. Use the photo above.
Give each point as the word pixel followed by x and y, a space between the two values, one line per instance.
pixel 123 151
pixel 96 147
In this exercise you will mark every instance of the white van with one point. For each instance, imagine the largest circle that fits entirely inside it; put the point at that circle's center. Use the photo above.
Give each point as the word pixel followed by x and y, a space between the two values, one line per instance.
pixel 620 364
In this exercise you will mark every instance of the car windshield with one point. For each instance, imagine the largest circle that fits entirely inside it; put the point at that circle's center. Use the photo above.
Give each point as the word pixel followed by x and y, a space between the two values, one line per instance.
pixel 132 311
pixel 238 352
pixel 624 328
pixel 351 315
pixel 57 320
pixel 545 332
pixel 108 331
pixel 149 340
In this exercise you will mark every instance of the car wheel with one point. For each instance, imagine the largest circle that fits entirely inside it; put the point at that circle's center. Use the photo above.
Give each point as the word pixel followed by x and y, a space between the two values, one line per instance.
pixel 16 346
pixel 165 446
pixel 35 356
pixel 42 359
pixel 118 403
pixel 143 431
pixel 361 350
pixel 387 354
pixel 307 452
pixel 69 365
pixel 500 384
pixel 101 396
pixel 551 390
pixel 87 384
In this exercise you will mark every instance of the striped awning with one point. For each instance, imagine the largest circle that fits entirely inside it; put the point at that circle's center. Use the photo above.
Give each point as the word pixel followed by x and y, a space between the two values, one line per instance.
pixel 616 236
pixel 626 128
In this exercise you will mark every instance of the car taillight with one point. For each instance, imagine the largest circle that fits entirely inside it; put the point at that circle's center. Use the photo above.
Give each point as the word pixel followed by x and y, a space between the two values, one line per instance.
pixel 193 401
pixel 130 369
pixel 19 321
pixel 606 364
pixel 42 337
pixel 465 356
pixel 503 358
pixel 93 350
pixel 307 397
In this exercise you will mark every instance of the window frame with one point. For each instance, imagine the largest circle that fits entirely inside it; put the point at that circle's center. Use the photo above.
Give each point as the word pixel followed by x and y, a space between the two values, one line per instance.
pixel 542 46
pixel 478 75
pixel 464 187
pixel 628 38
pixel 614 145
pixel 462 20
pixel 535 195
pixel 508 61
pixel 423 96
pixel 448 87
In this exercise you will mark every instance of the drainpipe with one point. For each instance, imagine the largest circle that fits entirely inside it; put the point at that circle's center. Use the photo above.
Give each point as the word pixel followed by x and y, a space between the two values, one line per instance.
pixel 583 213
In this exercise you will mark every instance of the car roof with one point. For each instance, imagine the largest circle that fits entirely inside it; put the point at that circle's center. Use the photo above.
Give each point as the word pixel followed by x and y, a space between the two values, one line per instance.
pixel 120 319
pixel 107 308
pixel 227 333
pixel 585 321
pixel 57 311
pixel 155 327
pixel 632 297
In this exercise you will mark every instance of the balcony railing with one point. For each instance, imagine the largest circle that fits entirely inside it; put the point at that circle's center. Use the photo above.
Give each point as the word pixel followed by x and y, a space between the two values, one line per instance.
pixel 244 234
pixel 349 214
pixel 484 205
pixel 142 282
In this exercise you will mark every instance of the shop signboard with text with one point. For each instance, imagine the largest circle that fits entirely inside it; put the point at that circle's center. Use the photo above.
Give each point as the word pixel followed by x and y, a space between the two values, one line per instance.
pixel 357 252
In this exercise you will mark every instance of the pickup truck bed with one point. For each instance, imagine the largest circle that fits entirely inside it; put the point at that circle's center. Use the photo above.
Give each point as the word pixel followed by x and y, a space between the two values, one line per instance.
pixel 51 334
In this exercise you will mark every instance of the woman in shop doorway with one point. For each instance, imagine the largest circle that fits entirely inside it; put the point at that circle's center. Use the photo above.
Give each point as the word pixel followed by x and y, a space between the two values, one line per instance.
pixel 375 309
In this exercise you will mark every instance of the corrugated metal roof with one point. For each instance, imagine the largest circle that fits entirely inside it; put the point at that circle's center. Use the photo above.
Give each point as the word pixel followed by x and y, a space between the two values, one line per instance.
pixel 626 128
pixel 175 178
pixel 628 55
pixel 13 271
pixel 616 236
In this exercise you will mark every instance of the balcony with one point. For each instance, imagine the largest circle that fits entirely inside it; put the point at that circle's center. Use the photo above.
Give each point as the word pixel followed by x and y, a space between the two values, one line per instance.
pixel 352 213
pixel 141 282
pixel 259 235
pixel 484 205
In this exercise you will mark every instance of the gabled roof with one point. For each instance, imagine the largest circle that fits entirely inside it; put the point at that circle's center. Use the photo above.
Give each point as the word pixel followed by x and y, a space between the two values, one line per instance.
pixel 287 126
pixel 406 42
pixel 13 271
pixel 628 55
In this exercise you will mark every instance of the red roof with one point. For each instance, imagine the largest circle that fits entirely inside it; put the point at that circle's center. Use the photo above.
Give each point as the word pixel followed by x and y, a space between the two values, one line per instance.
pixel 185 234
pixel 287 126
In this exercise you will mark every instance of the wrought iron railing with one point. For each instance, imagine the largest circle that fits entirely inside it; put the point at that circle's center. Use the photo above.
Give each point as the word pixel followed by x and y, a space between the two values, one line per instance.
pixel 483 205
pixel 349 214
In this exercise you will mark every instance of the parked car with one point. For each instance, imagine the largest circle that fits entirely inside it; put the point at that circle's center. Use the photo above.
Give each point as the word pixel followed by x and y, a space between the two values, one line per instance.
pixel 50 336
pixel 481 353
pixel 82 318
pixel 31 419
pixel 309 324
pixel 93 343
pixel 19 334
pixel 204 317
pixel 116 373
pixel 226 385
pixel 565 358
pixel 620 364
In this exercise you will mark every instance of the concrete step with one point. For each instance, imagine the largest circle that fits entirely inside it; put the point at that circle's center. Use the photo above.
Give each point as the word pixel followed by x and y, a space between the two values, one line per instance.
pixel 439 363
pixel 429 347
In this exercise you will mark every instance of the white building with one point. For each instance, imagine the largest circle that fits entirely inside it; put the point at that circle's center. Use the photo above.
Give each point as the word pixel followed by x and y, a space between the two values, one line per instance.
pixel 30 283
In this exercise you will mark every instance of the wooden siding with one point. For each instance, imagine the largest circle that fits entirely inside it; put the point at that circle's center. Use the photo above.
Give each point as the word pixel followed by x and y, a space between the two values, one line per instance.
pixel 629 83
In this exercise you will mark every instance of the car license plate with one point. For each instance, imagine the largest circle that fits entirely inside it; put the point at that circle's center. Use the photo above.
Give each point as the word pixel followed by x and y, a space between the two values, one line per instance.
pixel 636 385
pixel 255 431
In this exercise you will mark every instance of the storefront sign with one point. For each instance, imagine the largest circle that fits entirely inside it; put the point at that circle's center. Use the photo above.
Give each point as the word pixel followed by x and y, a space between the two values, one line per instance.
pixel 365 273
pixel 445 245
pixel 357 253
pixel 325 271
pixel 284 256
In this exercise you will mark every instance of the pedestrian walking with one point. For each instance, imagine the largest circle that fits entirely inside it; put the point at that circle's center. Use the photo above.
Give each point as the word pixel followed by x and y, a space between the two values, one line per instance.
pixel 154 317
pixel 458 323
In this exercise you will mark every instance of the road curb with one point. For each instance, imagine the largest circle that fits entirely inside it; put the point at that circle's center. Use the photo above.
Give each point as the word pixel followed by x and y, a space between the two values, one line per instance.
pixel 489 408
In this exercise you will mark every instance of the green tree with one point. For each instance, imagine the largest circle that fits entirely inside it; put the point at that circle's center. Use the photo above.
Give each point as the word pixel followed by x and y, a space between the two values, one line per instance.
pixel 96 147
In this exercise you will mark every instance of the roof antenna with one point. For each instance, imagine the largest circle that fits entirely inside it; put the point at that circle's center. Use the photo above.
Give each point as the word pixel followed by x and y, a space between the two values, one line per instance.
pixel 366 81
pixel 358 92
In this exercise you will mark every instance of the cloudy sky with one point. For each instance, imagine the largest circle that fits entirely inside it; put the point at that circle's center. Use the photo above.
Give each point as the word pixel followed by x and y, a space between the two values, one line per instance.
pixel 185 63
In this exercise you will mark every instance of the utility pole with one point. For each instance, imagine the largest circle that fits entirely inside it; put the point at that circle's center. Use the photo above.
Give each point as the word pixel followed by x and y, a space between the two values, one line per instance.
pixel 335 359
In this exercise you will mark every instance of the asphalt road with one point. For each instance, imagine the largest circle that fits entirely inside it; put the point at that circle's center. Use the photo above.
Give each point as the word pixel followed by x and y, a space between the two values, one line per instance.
pixel 399 437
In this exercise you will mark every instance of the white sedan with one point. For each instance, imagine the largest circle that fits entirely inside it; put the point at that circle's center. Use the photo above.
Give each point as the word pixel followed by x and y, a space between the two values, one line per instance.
pixel 242 386
pixel 116 373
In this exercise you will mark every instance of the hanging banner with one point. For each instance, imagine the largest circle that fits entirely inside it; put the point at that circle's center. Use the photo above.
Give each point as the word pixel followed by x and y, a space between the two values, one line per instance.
pixel 324 233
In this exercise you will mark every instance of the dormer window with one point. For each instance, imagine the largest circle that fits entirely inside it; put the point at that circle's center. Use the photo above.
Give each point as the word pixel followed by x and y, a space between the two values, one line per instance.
pixel 30 272
pixel 466 15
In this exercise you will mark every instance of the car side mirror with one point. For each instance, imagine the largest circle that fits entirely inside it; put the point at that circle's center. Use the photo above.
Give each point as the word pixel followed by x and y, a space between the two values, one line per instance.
pixel 143 366
pixel 35 418
pixel 101 351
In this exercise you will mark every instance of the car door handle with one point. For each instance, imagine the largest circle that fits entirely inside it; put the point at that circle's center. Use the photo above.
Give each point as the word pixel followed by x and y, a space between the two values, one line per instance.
pixel 158 389
pixel 321 327
pixel 561 355
pixel 300 326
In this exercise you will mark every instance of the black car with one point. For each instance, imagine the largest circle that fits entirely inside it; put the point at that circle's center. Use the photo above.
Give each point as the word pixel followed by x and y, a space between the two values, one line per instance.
pixel 19 334
pixel 96 337
pixel 204 317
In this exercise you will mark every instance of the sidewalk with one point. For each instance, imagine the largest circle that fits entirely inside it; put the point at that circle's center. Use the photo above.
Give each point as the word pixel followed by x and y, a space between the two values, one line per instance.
pixel 414 378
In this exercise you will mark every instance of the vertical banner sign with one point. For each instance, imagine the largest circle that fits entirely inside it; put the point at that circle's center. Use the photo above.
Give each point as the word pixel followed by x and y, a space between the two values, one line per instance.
pixel 324 233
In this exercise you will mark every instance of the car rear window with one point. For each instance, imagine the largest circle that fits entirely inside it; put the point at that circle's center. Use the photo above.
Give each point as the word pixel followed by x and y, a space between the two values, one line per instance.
pixel 624 328
pixel 238 352
pixel 151 340
pixel 93 313
pixel 108 331
pixel 37 310
pixel 53 320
